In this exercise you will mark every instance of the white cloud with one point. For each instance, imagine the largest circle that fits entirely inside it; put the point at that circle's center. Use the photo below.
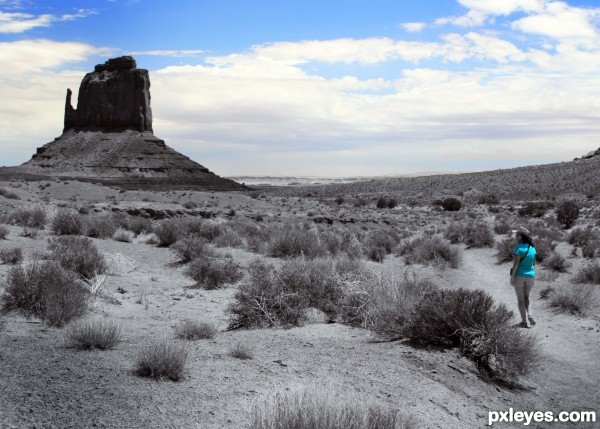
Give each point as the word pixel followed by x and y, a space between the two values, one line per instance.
pixel 414 27
pixel 15 22
pixel 168 53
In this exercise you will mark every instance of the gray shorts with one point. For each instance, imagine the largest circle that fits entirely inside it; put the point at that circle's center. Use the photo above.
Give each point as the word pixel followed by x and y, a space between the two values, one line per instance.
pixel 524 282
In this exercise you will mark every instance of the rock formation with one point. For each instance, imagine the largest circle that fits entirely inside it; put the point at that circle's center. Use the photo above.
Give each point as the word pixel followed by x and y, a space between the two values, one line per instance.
pixel 109 137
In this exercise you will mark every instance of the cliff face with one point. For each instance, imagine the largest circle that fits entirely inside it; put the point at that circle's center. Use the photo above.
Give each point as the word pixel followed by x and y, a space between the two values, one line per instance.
pixel 115 96
pixel 109 137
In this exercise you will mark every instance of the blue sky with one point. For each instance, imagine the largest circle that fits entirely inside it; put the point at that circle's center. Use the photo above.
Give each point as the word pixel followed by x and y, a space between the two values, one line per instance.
pixel 321 88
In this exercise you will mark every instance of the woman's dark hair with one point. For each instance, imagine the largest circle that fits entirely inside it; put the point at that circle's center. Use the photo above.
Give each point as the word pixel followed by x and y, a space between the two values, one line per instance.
pixel 526 240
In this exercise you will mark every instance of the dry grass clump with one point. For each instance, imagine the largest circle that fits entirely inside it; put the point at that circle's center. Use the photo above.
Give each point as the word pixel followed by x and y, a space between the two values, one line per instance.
pixel 47 291
pixel 278 297
pixel 123 235
pixel 78 254
pixel 194 330
pixel 100 226
pixel 213 273
pixel 164 359
pixel 323 407
pixel 67 222
pixel 3 232
pixel 341 242
pixel 11 256
pixel 100 334
pixel 137 225
pixel 242 351
pixel 291 241
pixel 381 243
pixel 8 194
pixel 473 235
pixel 574 298
pixel 557 262
pixel 431 251
pixel 589 274
pixel 32 217
pixel 583 236
pixel 505 249
pixel 192 247
pixel 502 228
pixel 168 232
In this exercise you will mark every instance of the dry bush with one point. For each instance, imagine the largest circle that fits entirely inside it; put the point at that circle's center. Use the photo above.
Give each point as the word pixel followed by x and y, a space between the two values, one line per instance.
pixel 78 254
pixel 192 247
pixel 32 217
pixel 583 236
pixel 431 251
pixel 544 248
pixel 591 249
pixel 567 213
pixel 29 233
pixel 123 235
pixel 169 231
pixel 207 229
pixel 11 256
pixel 241 351
pixel 505 249
pixel 323 407
pixel 100 226
pixel 535 208
pixel 138 225
pixel 291 241
pixel 213 273
pixel 502 228
pixel 589 274
pixel 3 232
pixel 229 238
pixel 451 204
pixel 194 330
pixel 100 334
pixel 8 194
pixel 472 235
pixel 382 302
pixel 557 262
pixel 575 299
pixel 470 319
pixel 47 291
pixel 67 222
pixel 279 298
pixel 341 242
pixel 163 359
pixel 380 243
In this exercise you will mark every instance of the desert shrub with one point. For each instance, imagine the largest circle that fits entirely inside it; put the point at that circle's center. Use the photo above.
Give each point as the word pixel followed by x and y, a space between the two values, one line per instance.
pixel 190 205
pixel 535 208
pixel 557 262
pixel 481 329
pixel 380 243
pixel 100 226
pixel 583 236
pixel 278 297
pixel 67 222
pixel 341 242
pixel 206 229
pixel 489 199
pixel 101 334
pixel 78 254
pixel 431 251
pixel 163 359
pixel 505 249
pixel 308 407
pixel 138 225
pixel 451 204
pixel 544 248
pixel 11 256
pixel 376 253
pixel 47 291
pixel 575 299
pixel 291 241
pixel 567 213
pixel 591 249
pixel 502 228
pixel 210 273
pixel 382 203
pixel 32 217
pixel 589 274
pixel 8 194
pixel 242 351
pixel 193 330
pixel 339 200
pixel 29 233
pixel 191 247
pixel 382 302
pixel 473 235
pixel 228 238
pixel 123 235
pixel 3 232
pixel 168 232
pixel 437 202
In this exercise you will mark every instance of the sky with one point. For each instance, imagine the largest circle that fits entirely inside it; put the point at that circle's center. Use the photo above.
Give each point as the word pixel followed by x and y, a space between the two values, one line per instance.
pixel 320 87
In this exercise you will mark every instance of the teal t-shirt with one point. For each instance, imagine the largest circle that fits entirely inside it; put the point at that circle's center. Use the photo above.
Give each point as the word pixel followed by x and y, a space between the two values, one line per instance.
pixel 525 268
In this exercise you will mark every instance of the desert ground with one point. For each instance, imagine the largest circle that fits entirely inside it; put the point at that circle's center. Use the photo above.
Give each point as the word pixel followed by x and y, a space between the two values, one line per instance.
pixel 145 289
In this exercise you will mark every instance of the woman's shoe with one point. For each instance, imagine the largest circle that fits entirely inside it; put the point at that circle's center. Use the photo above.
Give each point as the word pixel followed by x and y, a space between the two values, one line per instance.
pixel 531 321
pixel 522 325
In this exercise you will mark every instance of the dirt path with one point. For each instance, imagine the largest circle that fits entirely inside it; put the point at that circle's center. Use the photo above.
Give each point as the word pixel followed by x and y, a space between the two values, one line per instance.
pixel 569 378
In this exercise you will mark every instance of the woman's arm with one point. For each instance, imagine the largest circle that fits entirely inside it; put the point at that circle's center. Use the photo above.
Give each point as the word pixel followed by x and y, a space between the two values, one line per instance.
pixel 513 270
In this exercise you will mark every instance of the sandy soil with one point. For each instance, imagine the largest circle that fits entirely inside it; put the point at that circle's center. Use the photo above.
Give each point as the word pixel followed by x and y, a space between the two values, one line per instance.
pixel 43 384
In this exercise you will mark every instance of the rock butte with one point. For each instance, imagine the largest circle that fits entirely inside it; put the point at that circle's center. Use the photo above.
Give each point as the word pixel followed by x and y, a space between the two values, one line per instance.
pixel 109 138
